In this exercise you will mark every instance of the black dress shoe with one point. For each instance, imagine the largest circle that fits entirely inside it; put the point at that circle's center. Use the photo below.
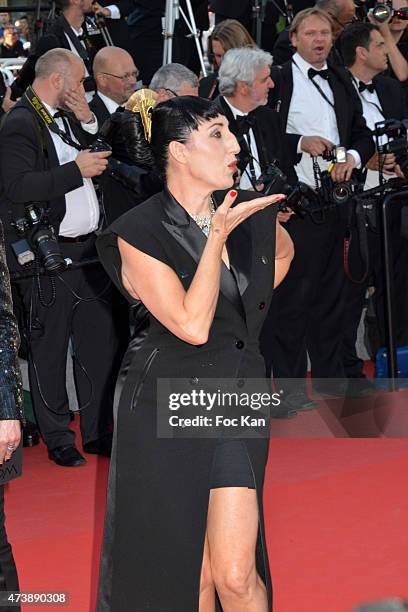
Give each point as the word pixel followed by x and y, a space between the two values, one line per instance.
pixel 330 388
pixel 360 387
pixel 67 456
pixel 283 411
pixel 102 446
pixel 31 436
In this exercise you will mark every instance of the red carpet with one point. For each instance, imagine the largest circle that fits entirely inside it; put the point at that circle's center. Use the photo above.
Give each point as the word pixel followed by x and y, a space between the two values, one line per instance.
pixel 336 512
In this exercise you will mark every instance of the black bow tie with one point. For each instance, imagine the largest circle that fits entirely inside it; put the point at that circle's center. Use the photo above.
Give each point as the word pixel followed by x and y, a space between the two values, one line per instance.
pixel 245 123
pixel 368 86
pixel 120 109
pixel 311 73
pixel 59 114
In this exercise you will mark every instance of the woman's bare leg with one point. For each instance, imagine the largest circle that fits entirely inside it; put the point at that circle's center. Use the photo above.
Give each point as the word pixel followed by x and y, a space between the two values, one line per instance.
pixel 207 589
pixel 232 529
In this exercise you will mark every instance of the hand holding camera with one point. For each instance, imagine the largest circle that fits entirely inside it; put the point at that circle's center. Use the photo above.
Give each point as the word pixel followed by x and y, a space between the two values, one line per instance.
pixel 315 145
pixel 92 164
pixel 384 162
pixel 342 170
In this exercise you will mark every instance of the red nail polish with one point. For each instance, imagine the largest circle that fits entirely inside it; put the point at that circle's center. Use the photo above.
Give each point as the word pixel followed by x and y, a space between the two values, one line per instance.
pixel 233 193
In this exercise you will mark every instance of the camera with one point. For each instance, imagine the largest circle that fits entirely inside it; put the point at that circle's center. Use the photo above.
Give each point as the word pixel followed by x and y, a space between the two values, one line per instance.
pixel 381 11
pixel 335 193
pixel 396 133
pixel 336 155
pixel 99 145
pixel 37 239
pixel 297 195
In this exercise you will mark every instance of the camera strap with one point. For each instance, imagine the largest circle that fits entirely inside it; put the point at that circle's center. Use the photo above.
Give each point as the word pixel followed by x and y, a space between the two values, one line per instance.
pixel 47 119
pixel 319 89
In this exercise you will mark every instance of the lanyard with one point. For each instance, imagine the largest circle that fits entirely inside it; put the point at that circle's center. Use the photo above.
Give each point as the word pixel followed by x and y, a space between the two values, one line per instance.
pixel 46 118
pixel 319 89
pixel 360 94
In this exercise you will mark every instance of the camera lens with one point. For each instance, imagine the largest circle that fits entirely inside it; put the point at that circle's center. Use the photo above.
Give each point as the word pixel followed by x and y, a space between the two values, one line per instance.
pixel 381 12
pixel 49 251
pixel 341 193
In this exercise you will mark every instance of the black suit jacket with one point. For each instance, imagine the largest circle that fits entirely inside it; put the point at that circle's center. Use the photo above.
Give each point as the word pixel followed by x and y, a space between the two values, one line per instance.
pixel 353 131
pixel 30 170
pixel 269 137
pixel 99 109
pixel 392 98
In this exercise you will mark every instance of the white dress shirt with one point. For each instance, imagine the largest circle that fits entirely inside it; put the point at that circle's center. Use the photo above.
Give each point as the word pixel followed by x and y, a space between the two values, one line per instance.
pixel 311 115
pixel 245 182
pixel 88 94
pixel 82 207
pixel 372 113
pixel 111 105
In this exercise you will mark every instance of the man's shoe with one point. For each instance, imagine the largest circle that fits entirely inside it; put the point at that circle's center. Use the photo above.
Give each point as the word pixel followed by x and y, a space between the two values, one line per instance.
pixel 102 446
pixel 359 388
pixel 330 388
pixel 31 436
pixel 67 456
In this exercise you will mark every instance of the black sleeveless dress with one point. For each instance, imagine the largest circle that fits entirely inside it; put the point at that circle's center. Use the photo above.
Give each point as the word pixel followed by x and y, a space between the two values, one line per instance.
pixel 159 487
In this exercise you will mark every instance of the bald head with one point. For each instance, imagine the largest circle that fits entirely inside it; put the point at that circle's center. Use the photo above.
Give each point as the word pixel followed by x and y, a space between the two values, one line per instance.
pixel 115 73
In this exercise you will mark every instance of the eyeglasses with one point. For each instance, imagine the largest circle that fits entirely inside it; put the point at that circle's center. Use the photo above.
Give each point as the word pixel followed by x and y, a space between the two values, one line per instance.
pixel 124 77
pixel 171 93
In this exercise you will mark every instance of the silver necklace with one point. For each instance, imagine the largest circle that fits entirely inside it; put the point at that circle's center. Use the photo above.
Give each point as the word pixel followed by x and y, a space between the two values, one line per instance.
pixel 204 221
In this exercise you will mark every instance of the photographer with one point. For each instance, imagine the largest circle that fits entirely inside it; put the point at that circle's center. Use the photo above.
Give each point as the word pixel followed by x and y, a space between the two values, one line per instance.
pixel 320 109
pixel 46 184
pixel 341 12
pixel 71 31
pixel 393 30
pixel 382 97
pixel 244 84
pixel 115 76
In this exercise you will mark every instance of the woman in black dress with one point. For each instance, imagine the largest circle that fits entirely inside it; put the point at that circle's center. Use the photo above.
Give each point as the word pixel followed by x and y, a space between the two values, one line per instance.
pixel 184 525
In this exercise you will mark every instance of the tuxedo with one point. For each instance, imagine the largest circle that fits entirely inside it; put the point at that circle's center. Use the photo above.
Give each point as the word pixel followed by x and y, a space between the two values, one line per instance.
pixel 98 107
pixel 30 171
pixel 269 137
pixel 352 128
pixel 309 304
pixel 392 103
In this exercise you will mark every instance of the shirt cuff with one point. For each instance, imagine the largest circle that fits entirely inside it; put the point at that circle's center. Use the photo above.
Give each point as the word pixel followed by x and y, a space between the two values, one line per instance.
pixel 356 156
pixel 114 11
pixel 91 128
pixel 299 146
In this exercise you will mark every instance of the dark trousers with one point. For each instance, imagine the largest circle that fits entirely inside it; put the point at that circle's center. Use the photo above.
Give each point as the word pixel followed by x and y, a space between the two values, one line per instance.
pixel 356 292
pixel 98 336
pixel 8 571
pixel 307 310
pixel 146 39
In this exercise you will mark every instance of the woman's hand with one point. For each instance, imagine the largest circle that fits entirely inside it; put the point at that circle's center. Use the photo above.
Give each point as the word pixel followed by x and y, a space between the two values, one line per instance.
pixel 10 434
pixel 226 219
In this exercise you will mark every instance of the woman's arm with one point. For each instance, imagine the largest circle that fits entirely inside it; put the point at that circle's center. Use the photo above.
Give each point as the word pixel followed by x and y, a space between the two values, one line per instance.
pixel 398 62
pixel 187 314
pixel 284 253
